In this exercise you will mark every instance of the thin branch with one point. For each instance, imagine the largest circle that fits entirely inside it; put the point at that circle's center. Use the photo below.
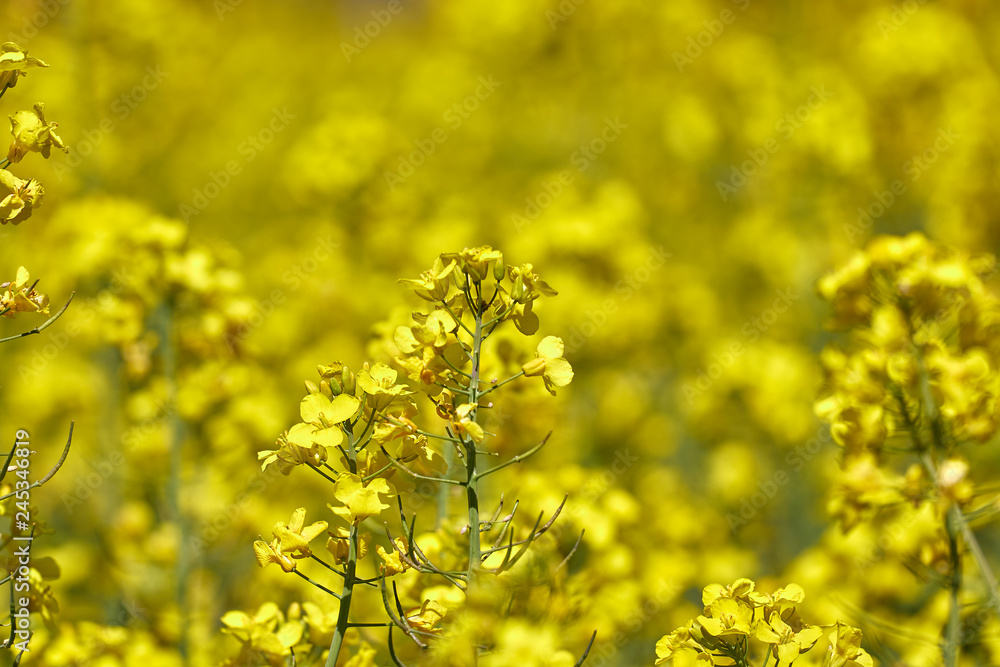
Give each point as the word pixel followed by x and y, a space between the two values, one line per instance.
pixel 44 325
pixel 586 652
pixel 572 551
pixel 52 472
pixel 317 585
pixel 399 465
pixel 516 459
pixel 330 479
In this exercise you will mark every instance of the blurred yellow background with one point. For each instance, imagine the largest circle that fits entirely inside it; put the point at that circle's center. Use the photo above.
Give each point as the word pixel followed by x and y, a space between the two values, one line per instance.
pixel 251 179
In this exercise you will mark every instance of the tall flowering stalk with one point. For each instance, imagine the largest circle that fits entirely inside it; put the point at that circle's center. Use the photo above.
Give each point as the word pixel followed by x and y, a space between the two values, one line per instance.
pixel 360 432
pixel 32 133
pixel 913 392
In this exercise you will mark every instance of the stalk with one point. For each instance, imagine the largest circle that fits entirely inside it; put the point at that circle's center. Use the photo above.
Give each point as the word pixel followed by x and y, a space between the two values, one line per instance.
pixel 350 571
pixel 472 482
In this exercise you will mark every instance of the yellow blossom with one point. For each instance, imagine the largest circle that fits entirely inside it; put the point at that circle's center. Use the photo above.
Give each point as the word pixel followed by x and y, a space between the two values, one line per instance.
pixel 788 643
pixel 23 197
pixel 13 61
pixel 33 133
pixel 474 261
pixel 339 543
pixel 379 382
pixel 360 500
pixel 427 616
pixel 846 650
pixel 727 617
pixel 19 297
pixel 392 561
pixel 433 284
pixel 555 371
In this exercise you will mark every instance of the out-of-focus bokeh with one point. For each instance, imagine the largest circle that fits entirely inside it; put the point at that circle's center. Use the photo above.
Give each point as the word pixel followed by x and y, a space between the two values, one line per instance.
pixel 246 182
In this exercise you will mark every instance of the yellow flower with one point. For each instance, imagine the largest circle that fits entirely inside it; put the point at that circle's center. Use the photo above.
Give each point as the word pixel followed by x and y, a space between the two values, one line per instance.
pixel 19 297
pixel 23 197
pixel 265 632
pixel 302 444
pixel 474 261
pixel 741 589
pixel 321 624
pixel 379 382
pixel 13 61
pixel 555 371
pixel 847 289
pixel 433 284
pixel 296 536
pixel 788 643
pixel 846 649
pixel 393 562
pixel 291 541
pixel 33 133
pixel 426 616
pixel 365 657
pixel 465 425
pixel 360 501
pixel 677 641
pixel 728 618
pixel 339 543
pixel 526 285
pixel 321 410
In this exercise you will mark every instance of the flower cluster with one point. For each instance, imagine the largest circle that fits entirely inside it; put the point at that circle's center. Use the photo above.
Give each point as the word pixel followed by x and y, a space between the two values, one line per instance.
pixel 921 367
pixel 360 432
pixel 736 614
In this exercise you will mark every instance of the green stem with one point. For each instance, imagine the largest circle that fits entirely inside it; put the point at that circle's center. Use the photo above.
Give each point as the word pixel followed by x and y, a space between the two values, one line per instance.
pixel 472 476
pixel 350 570
pixel 953 629
pixel 953 519
pixel 165 321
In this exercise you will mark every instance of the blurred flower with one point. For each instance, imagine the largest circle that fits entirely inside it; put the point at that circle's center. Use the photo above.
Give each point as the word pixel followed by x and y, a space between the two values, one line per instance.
pixel 23 197
pixel 32 133
pixel 19 297
pixel 13 61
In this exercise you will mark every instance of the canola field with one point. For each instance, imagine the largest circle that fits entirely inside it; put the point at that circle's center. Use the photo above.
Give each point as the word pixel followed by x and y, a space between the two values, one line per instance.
pixel 540 333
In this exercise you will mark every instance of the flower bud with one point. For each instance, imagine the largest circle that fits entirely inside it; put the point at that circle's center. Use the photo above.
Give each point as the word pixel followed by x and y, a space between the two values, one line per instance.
pixel 311 387
pixel 347 380
pixel 499 269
